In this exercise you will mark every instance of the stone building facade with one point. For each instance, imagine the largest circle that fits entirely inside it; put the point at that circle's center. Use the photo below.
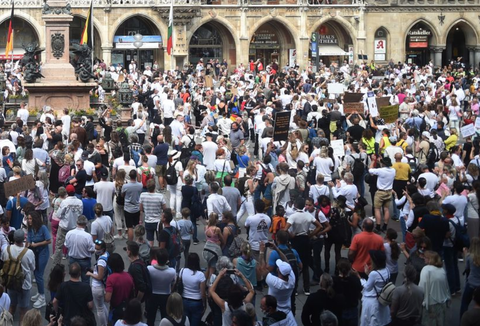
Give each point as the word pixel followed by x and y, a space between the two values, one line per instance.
pixel 241 30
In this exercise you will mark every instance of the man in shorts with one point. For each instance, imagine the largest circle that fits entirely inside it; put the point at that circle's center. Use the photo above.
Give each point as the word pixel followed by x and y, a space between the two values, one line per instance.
pixel 161 152
pixel 383 196
pixel 131 192
pixel 152 205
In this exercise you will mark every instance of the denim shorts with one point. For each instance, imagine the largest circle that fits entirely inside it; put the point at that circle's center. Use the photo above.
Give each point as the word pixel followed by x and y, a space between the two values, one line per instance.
pixel 151 229
pixel 20 299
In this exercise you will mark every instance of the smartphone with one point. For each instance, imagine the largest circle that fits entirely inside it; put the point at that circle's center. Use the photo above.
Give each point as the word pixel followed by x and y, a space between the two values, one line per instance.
pixel 230 271
pixel 268 245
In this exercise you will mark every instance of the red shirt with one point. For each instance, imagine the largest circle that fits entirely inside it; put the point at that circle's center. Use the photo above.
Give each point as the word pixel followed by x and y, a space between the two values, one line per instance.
pixel 362 243
pixel 120 285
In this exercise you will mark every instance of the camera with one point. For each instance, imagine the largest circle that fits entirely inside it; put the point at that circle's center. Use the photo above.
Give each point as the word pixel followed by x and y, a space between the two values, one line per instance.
pixel 268 245
pixel 230 271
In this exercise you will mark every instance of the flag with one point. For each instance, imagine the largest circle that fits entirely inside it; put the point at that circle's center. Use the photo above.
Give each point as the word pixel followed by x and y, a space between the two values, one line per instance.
pixel 85 39
pixel 9 46
pixel 170 30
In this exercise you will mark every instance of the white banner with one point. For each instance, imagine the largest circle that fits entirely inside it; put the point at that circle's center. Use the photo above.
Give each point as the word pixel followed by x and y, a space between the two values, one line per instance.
pixel 468 130
pixel 292 57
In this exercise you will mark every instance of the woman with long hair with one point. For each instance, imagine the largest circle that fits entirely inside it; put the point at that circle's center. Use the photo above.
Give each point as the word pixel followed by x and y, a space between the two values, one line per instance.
pixel 373 313
pixel 221 166
pixel 433 282
pixel 7 159
pixel 392 250
pixel 472 265
pixel 102 224
pixel 214 242
pixel 57 157
pixel 38 239
pixel 29 163
pixel 132 315
pixel 20 152
pixel 348 290
pixel 119 289
pixel 175 312
pixel 56 278
pixel 194 289
pixel 43 185
pixel 368 140
pixel 454 113
pixel 319 301
pixel 119 203
pixel 229 233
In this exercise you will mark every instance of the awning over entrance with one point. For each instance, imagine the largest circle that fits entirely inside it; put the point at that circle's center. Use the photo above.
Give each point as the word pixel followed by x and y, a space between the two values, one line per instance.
pixel 330 50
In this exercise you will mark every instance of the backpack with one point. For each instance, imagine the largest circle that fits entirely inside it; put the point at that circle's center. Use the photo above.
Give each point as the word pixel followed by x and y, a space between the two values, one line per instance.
pixel 413 164
pixel 235 250
pixel 358 168
pixel 122 135
pixel 136 156
pixel 265 171
pixel 12 271
pixel 146 275
pixel 175 323
pixel 146 175
pixel 240 184
pixel 63 173
pixel 6 318
pixel 108 239
pixel 175 246
pixel 171 175
pixel 462 240
pixel 423 125
pixel 144 252
pixel 156 133
pixel 432 155
pixel 385 295
pixel 291 259
pixel 107 270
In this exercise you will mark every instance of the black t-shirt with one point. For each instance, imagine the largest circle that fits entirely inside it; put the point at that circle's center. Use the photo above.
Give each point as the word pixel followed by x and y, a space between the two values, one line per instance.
pixel 74 296
pixel 355 132
pixel 81 178
pixel 436 227
pixel 55 139
pixel 165 237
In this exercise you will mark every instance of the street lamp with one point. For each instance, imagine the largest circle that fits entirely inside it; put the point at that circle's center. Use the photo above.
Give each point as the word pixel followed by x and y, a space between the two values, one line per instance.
pixel 138 44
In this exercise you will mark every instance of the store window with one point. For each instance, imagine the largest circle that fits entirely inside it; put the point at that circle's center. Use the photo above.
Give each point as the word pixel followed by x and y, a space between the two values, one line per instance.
pixel 206 43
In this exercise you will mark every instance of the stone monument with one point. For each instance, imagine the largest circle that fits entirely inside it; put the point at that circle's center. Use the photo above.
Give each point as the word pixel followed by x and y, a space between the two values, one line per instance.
pixel 59 88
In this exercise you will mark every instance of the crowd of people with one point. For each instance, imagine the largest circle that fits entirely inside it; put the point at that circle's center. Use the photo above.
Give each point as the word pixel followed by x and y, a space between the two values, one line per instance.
pixel 201 165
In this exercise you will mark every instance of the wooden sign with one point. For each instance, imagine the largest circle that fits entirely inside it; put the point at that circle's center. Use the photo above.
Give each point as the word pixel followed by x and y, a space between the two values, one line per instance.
pixel 352 107
pixel 208 81
pixel 382 101
pixel 12 188
pixel 389 113
pixel 281 126
pixel 352 97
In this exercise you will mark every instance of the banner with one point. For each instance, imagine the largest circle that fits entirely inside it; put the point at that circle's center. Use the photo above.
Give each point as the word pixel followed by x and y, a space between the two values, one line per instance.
pixel 335 88
pixel 12 188
pixel 292 57
pixel 281 126
pixel 352 107
pixel 468 130
pixel 477 123
pixel 389 113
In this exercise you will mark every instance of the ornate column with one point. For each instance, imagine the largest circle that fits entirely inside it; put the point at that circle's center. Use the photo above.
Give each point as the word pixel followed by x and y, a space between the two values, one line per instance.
pixel 438 55
pixel 477 56
pixel 471 55
pixel 107 53
pixel 242 51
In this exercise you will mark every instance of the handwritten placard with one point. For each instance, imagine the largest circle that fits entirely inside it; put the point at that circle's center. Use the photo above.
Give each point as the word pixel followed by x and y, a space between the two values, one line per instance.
pixel 281 126
pixel 353 107
pixel 335 88
pixel 338 148
pixel 468 130
pixel 389 113
pixel 14 187
pixel 477 123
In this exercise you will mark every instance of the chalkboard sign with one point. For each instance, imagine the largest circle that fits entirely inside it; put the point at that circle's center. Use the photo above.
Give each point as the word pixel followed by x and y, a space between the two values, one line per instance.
pixel 281 126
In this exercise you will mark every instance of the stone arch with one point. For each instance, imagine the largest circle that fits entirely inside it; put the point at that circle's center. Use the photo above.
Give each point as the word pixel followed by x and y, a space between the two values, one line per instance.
pixel 97 27
pixel 159 24
pixel 471 35
pixel 30 20
pixel 342 22
pixel 435 34
pixel 222 21
pixel 385 37
pixel 287 24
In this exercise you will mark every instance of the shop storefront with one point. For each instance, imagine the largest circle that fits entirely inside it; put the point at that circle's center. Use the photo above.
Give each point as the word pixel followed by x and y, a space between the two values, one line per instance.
pixel 265 45
pixel 417 49
pixel 125 50
pixel 333 45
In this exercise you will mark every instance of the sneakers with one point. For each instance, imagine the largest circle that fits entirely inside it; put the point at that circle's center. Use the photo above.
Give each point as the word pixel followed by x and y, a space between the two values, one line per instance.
pixel 125 236
pixel 195 242
pixel 306 292
pixel 40 302
pixel 118 237
pixel 35 297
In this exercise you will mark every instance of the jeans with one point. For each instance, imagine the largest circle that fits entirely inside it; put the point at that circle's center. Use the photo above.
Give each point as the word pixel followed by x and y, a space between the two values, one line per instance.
pixel 350 316
pixel 193 218
pixel 42 257
pixel 98 293
pixel 302 245
pixel 451 267
pixel 403 225
pixel 466 298
pixel 153 303
pixel 85 264
pixel 317 246
pixel 193 309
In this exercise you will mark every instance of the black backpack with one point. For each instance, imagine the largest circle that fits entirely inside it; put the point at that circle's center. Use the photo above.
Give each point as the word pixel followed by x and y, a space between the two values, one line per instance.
pixel 240 184
pixel 156 132
pixel 423 125
pixel 122 135
pixel 265 171
pixel 292 260
pixel 358 168
pixel 432 155
pixel 171 175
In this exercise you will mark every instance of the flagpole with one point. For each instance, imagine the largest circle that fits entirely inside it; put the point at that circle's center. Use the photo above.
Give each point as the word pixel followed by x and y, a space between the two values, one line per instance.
pixel 11 64
pixel 92 35
pixel 171 52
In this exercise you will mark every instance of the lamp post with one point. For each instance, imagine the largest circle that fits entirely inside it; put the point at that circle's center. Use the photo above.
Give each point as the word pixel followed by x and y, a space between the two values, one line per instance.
pixel 138 44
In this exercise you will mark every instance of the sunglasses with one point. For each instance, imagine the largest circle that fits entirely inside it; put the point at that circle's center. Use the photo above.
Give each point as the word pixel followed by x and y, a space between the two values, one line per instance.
pixel 99 242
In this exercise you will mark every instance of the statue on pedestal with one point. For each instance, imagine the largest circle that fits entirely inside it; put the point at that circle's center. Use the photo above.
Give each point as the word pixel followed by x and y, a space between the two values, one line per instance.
pixel 31 68
pixel 83 62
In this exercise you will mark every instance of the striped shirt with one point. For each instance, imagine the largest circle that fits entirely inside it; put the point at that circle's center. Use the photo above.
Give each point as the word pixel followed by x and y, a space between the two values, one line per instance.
pixel 152 206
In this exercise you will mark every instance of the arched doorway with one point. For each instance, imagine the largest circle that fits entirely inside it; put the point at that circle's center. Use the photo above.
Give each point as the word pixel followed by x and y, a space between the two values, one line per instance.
pixel 419 39
pixel 212 41
pixel 380 45
pixel 76 29
pixel 124 49
pixel 270 43
pixel 334 44
pixel 460 38
pixel 23 33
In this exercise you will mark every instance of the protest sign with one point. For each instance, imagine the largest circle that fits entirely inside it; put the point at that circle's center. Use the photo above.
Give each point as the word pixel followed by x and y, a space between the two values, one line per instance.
pixel 389 113
pixel 14 187
pixel 281 126
pixel 352 107
pixel 468 130
pixel 338 149
pixel 477 123
pixel 335 88
pixel 382 101
pixel 352 97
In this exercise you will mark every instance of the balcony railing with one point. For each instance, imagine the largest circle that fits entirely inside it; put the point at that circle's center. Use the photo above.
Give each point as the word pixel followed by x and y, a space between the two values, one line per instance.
pixel 425 2
pixel 32 4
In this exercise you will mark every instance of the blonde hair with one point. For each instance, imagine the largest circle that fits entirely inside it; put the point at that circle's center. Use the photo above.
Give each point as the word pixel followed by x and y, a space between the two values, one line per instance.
pixel 474 250
pixel 433 258
pixel 32 318
pixel 212 219
pixel 246 249
pixel 175 306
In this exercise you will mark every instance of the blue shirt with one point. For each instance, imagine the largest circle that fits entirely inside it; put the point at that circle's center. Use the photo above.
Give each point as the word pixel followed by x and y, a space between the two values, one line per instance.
pixel 161 152
pixel 40 236
pixel 88 204
pixel 274 256
pixel 17 216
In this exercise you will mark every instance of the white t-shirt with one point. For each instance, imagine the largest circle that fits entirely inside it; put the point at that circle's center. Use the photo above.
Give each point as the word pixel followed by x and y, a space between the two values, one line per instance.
pixel 105 191
pixel 300 222
pixel 209 154
pixel 162 279
pixel 281 290
pixel 385 177
pixel 318 190
pixel 259 225
pixel 460 202
pixel 119 162
pixel 323 166
pixel 191 283
pixel 100 226
pixel 102 261
pixel 90 169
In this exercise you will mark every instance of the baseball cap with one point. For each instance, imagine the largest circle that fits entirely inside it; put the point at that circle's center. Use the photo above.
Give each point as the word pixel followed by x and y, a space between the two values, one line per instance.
pixel 70 189
pixel 426 134
pixel 449 208
pixel 104 174
pixel 283 267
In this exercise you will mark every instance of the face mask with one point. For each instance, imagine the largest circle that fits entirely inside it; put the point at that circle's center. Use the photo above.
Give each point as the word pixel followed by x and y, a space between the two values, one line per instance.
pixel 98 252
